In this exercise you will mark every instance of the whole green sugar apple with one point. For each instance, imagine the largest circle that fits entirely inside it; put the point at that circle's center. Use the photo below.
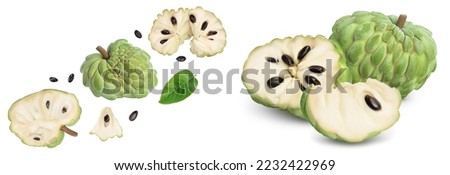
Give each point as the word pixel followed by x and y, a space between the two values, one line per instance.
pixel 386 48
pixel 120 71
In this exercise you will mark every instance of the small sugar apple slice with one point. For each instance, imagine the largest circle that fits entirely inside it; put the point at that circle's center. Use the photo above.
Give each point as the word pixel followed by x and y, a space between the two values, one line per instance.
pixel 276 74
pixel 107 125
pixel 386 48
pixel 40 119
pixel 121 71
pixel 169 31
pixel 209 37
pixel 362 111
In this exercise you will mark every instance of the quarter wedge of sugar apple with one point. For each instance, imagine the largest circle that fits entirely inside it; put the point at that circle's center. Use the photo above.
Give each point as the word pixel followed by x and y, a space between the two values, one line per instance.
pixel 169 31
pixel 362 111
pixel 107 125
pixel 121 71
pixel 277 73
pixel 387 48
pixel 209 37
pixel 41 119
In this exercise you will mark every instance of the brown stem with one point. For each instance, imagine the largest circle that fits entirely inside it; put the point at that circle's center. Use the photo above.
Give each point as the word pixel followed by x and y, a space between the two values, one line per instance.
pixel 401 21
pixel 102 51
pixel 69 131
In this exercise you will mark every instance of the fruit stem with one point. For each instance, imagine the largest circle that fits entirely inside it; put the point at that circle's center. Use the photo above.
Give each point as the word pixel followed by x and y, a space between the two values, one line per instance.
pixel 69 131
pixel 401 21
pixel 102 51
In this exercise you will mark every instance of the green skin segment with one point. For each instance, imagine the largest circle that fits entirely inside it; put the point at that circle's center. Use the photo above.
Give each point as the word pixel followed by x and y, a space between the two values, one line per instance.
pixel 375 47
pixel 121 71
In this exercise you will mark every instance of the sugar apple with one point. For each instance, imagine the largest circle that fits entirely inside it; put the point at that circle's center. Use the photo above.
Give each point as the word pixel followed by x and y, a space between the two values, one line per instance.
pixel 386 48
pixel 41 119
pixel 107 125
pixel 276 74
pixel 361 112
pixel 121 71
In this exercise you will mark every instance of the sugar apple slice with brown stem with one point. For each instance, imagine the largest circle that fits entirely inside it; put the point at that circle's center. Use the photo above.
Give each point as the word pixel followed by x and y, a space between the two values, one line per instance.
pixel 277 73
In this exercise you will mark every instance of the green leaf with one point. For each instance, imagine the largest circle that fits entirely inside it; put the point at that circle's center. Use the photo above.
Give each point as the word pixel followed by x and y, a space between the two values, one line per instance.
pixel 179 87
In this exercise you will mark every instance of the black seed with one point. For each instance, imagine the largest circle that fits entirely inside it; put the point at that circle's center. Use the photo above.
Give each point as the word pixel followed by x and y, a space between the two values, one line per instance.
pixel 173 20
pixel 317 69
pixel 53 79
pixel 288 60
pixel 37 138
pixel 138 34
pixel 212 32
pixel 204 25
pixel 271 59
pixel 211 39
pixel 274 82
pixel 64 110
pixel 181 58
pixel 165 32
pixel 192 18
pixel 106 118
pixel 133 115
pixel 47 104
pixel 373 103
pixel 71 77
pixel 303 53
pixel 312 80
pixel 163 41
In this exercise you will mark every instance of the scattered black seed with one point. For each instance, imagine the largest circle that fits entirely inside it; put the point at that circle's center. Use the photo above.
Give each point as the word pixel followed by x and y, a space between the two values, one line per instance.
pixel 47 104
pixel 163 41
pixel 288 60
pixel 317 69
pixel 106 118
pixel 211 39
pixel 271 59
pixel 204 25
pixel 165 32
pixel 64 110
pixel 53 79
pixel 71 77
pixel 173 20
pixel 274 82
pixel 37 138
pixel 133 115
pixel 192 18
pixel 312 80
pixel 138 34
pixel 212 32
pixel 303 53
pixel 373 103
pixel 181 58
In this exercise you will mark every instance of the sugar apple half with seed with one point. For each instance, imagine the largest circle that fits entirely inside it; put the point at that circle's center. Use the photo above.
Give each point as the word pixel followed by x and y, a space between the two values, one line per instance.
pixel 386 48
pixel 277 73
pixel 120 71
pixel 360 112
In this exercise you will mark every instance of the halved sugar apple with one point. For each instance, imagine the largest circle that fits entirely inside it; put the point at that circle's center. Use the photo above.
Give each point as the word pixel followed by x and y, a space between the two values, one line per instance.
pixel 41 118
pixel 107 125
pixel 360 112
pixel 169 31
pixel 386 48
pixel 121 71
pixel 209 37
pixel 276 74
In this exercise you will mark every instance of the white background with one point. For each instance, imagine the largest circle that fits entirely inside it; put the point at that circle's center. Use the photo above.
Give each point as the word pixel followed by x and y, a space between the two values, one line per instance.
pixel 39 39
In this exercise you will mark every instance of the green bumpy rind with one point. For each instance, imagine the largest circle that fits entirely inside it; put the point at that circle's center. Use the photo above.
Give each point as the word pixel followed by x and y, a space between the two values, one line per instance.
pixel 126 73
pixel 376 48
